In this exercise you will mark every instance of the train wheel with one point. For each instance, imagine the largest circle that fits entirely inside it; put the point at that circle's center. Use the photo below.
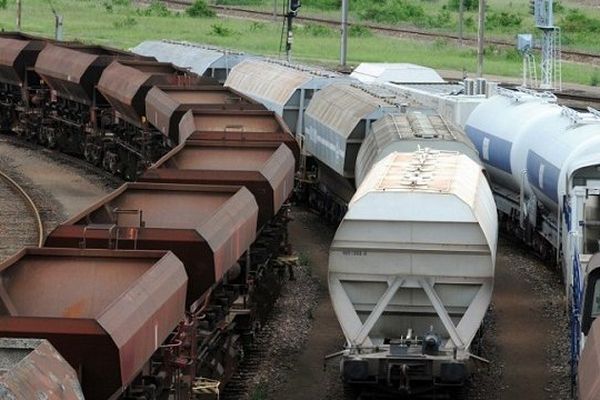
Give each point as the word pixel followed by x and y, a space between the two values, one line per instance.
pixel 110 162
pixel 92 153
pixel 51 139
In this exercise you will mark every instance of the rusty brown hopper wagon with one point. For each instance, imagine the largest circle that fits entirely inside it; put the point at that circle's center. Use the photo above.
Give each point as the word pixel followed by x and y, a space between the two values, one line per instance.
pixel 267 170
pixel 207 227
pixel 33 369
pixel 166 105
pixel 125 84
pixel 106 312
pixel 250 126
pixel 74 71
pixel 18 54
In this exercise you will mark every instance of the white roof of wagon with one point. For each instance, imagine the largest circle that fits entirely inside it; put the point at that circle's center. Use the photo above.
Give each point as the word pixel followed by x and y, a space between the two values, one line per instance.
pixel 403 132
pixel 425 171
pixel 398 72
pixel 198 58
pixel 438 186
pixel 267 80
pixel 341 107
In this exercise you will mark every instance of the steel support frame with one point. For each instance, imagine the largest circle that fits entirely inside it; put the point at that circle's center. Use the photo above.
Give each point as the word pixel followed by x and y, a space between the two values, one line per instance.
pixel 460 335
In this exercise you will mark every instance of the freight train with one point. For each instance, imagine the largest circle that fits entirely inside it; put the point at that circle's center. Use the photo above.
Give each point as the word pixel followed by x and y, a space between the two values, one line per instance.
pixel 544 167
pixel 416 335
pixel 542 161
pixel 153 290
pixel 545 192
pixel 223 221
pixel 409 296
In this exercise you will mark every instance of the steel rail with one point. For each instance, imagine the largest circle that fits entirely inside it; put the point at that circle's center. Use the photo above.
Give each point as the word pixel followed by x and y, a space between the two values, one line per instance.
pixel 30 204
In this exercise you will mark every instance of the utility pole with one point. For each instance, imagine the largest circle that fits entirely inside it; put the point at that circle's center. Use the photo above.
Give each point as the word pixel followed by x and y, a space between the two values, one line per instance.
pixel 275 9
pixel 18 15
pixel 461 21
pixel 58 23
pixel 344 44
pixel 480 30
pixel 58 27
pixel 292 12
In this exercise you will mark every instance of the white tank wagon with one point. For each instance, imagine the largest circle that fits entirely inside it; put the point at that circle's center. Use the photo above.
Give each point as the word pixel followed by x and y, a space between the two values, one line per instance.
pixel 284 88
pixel 544 164
pixel 407 132
pixel 203 60
pixel 411 270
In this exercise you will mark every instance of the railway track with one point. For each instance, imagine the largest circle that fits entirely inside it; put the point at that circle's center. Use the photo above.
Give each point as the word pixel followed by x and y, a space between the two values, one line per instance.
pixel 108 178
pixel 26 209
pixel 15 202
pixel 571 55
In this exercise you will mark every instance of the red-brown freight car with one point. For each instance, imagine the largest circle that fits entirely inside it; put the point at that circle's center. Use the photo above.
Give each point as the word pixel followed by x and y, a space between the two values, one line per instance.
pixel 106 312
pixel 19 84
pixel 166 105
pixel 134 143
pixel 267 170
pixel 207 227
pixel 33 369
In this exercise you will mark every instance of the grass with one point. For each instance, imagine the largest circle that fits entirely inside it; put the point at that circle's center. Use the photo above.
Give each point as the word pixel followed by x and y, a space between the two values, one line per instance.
pixel 304 259
pixel 117 23
pixel 437 15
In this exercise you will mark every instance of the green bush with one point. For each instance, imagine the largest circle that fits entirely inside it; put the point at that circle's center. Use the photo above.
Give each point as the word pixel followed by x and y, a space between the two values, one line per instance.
pixel 359 31
pixel 156 9
pixel 125 22
pixel 200 9
pixel 512 54
pixel 317 30
pixel 557 7
pixel 256 26
pixel 576 21
pixel 3 4
pixel 470 22
pixel 219 29
pixel 594 78
pixel 468 5
pixel 440 43
pixel 323 4
pixel 443 19
pixel 239 2
pixel 392 12
pixel 502 20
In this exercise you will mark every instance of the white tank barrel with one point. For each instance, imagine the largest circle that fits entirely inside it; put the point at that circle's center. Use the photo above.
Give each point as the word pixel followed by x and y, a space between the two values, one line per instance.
pixel 532 145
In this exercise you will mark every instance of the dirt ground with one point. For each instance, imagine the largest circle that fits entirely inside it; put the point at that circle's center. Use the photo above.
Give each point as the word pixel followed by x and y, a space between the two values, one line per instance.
pixel 58 189
pixel 525 332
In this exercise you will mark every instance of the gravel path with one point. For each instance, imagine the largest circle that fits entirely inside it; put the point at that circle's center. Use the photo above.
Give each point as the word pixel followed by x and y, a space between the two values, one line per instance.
pixel 524 336
pixel 526 332
pixel 59 189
